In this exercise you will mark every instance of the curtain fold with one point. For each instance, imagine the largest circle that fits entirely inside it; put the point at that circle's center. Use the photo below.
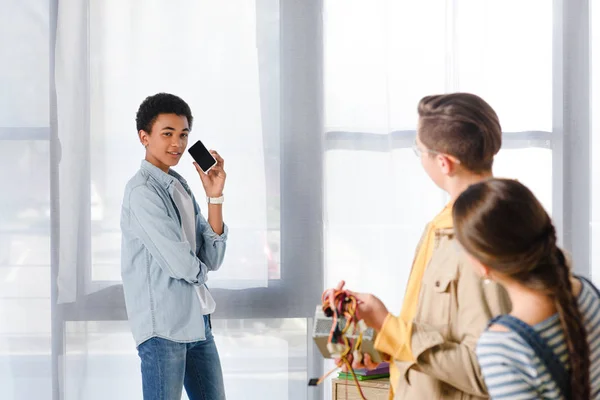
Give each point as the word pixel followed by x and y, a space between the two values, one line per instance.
pixel 73 126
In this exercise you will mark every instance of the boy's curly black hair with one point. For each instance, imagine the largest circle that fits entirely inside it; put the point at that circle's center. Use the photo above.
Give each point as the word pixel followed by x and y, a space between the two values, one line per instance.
pixel 161 103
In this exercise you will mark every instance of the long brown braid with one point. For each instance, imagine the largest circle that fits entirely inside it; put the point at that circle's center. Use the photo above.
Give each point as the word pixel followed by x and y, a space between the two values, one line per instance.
pixel 571 320
pixel 501 224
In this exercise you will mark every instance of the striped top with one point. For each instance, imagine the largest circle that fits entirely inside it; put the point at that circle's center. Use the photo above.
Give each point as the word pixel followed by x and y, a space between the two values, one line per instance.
pixel 511 369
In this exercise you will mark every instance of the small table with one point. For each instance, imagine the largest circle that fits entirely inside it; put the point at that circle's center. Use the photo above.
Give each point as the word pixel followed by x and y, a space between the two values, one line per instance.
pixel 374 389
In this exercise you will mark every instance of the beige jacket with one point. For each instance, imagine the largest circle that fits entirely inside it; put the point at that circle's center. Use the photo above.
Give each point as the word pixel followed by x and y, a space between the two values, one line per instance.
pixel 454 307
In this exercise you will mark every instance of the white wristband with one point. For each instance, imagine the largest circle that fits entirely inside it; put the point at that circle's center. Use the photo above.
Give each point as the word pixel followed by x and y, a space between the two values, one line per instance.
pixel 215 200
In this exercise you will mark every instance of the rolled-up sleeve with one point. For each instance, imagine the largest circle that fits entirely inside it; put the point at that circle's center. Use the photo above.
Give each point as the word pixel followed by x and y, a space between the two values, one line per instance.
pixel 394 338
pixel 211 247
pixel 162 237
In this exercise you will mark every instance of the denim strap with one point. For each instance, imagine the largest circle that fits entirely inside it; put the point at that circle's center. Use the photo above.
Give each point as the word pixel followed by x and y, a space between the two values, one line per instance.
pixel 541 349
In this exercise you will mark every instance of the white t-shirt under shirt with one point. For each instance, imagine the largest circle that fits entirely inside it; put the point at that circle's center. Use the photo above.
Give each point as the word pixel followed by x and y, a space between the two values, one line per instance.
pixel 185 205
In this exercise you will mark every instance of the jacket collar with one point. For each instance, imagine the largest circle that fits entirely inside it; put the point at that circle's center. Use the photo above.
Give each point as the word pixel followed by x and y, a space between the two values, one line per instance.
pixel 166 179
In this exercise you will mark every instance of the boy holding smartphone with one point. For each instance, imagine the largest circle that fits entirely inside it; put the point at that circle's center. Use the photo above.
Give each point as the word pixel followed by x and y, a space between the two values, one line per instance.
pixel 168 247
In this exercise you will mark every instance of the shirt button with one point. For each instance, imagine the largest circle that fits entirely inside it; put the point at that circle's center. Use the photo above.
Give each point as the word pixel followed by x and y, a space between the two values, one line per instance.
pixel 437 283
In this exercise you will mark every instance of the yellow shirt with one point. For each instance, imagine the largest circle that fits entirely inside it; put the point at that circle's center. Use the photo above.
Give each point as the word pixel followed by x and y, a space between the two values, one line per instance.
pixel 394 338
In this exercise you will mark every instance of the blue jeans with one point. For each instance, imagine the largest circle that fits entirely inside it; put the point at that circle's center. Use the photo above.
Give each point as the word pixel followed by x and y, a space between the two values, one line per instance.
pixel 168 366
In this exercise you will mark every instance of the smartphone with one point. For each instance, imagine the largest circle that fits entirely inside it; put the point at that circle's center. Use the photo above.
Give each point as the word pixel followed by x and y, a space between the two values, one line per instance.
pixel 202 156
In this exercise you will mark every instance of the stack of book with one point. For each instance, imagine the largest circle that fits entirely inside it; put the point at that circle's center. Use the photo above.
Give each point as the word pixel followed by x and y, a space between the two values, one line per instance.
pixel 363 374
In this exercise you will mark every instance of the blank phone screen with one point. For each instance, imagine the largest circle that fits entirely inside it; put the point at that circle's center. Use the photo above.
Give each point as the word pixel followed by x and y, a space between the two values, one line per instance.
pixel 202 156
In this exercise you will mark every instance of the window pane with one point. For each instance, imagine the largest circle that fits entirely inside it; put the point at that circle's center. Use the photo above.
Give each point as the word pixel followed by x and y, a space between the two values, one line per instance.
pixel 25 270
pixel 377 205
pixel 380 60
pixel 261 359
pixel 233 95
pixel 532 167
pixel 504 54
pixel 25 72
pixel 375 75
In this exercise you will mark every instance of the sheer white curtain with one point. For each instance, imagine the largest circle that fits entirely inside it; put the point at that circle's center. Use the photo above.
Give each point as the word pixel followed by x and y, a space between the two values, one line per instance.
pixel 381 57
pixel 75 72
pixel 24 200
pixel 201 51
pixel 205 52
pixel 251 72
pixel 528 59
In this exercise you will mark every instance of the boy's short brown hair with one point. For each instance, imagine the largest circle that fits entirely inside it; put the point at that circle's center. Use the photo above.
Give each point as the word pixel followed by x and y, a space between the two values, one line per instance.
pixel 462 125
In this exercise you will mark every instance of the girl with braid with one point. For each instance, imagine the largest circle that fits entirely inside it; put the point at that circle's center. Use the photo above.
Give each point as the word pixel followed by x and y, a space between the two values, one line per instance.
pixel 510 239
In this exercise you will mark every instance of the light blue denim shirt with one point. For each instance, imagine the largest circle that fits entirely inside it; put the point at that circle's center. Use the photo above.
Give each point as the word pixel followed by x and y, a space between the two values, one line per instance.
pixel 158 267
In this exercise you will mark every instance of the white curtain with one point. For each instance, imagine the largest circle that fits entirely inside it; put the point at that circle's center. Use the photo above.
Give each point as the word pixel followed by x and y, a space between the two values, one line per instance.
pixel 381 57
pixel 73 75
pixel 24 200
pixel 247 70
pixel 201 51
pixel 110 56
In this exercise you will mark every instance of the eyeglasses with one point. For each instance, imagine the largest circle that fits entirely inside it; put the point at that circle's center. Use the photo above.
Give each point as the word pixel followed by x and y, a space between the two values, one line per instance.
pixel 419 151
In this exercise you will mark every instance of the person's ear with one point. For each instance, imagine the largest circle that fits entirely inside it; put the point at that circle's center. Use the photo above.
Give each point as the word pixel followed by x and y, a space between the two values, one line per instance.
pixel 144 139
pixel 444 163
pixel 447 164
pixel 484 271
